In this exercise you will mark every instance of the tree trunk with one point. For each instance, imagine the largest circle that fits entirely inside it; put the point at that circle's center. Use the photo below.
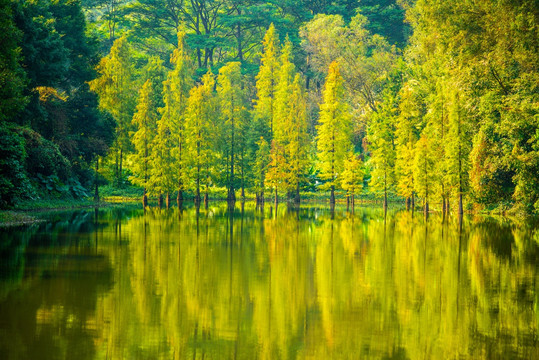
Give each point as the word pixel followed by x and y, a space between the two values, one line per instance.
pixel 426 207
pixel 408 203
pixel 231 192
pixel 96 194
pixel 168 200
pixel 197 195
pixel 160 201
pixel 116 169
pixel 461 208
pixel 347 202
pixel 242 177
pixel 332 195
pixel 385 199
pixel 179 199
pixel 144 199
pixel 297 198
pixel 121 163
pixel 444 205
pixel 276 198
pixel 353 203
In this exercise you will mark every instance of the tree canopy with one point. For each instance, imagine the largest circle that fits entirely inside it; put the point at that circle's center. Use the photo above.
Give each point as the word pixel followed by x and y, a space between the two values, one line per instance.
pixel 434 104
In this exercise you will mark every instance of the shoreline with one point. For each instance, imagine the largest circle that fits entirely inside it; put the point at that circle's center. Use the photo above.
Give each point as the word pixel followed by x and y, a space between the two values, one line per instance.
pixel 28 213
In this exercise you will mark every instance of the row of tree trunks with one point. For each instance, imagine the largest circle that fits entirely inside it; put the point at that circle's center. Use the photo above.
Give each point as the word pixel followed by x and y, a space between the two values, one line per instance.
pixel 350 199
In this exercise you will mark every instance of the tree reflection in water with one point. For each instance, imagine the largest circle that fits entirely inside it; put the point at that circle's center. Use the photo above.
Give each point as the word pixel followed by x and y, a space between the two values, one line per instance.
pixel 278 283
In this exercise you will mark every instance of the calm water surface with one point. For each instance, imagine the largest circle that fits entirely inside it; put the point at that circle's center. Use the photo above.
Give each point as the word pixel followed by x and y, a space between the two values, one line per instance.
pixel 119 283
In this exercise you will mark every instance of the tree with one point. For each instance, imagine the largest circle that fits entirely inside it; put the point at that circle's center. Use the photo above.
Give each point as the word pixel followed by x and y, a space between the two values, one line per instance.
pixel 199 126
pixel 232 101
pixel 108 14
pixel 116 91
pixel 381 140
pixel 365 59
pixel 437 119
pixel 145 121
pixel 387 18
pixel 458 149
pixel 276 174
pixel 290 125
pixel 158 180
pixel 262 159
pixel 333 140
pixel 407 129
pixel 266 83
pixel 180 81
pixel 12 75
pixel 163 177
pixel 352 177
pixel 283 113
pixel 297 147
pixel 423 169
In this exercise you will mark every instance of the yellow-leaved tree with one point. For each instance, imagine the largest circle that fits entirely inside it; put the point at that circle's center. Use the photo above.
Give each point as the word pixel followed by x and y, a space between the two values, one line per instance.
pixel 334 131
pixel 199 130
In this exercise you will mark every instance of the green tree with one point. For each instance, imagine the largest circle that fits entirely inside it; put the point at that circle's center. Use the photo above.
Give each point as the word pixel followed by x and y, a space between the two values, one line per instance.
pixel 266 83
pixel 276 174
pixel 406 135
pixel 352 177
pixel 283 113
pixel 117 95
pixel 458 149
pixel 423 171
pixel 232 103
pixel 297 147
pixel 158 180
pixel 334 131
pixel 12 75
pixel 180 81
pixel 163 177
pixel 199 127
pixel 381 139
pixel 437 118
pixel 262 160
pixel 366 59
pixel 145 122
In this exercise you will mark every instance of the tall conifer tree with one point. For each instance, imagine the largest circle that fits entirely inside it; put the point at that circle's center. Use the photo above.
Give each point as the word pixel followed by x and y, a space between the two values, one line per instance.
pixel 266 83
pixel 117 94
pixel 381 137
pixel 232 103
pixel 145 121
pixel 334 131
pixel 180 81
pixel 200 123
pixel 406 137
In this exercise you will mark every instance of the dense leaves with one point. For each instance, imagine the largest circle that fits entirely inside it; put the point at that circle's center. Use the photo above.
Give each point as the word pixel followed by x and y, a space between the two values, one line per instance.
pixel 440 111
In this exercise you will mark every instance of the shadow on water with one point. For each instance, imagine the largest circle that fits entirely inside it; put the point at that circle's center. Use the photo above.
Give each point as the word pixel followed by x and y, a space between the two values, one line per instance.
pixel 249 282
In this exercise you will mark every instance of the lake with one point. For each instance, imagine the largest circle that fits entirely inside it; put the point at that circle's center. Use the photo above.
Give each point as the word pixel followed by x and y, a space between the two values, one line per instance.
pixel 123 283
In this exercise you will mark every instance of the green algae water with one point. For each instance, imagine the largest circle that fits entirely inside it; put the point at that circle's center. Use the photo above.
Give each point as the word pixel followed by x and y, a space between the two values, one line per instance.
pixel 123 283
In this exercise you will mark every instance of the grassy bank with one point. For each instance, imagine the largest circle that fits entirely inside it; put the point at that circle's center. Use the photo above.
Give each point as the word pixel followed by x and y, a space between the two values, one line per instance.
pixel 29 212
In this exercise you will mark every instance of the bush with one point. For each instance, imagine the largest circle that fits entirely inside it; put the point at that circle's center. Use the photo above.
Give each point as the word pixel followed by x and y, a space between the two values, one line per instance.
pixel 44 157
pixel 14 183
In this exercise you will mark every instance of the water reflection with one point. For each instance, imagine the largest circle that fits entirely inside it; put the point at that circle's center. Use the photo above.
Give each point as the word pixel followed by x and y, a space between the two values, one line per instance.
pixel 269 283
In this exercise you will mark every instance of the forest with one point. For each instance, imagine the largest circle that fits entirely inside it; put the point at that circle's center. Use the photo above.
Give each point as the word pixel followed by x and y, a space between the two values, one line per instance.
pixel 431 104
